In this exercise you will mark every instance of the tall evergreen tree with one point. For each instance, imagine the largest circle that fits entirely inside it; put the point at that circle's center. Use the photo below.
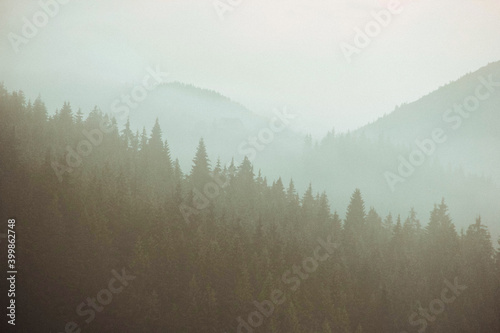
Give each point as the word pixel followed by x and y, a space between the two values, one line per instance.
pixel 200 172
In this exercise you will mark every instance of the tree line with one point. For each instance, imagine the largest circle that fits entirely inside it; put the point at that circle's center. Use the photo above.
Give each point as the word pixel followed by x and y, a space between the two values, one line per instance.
pixel 122 206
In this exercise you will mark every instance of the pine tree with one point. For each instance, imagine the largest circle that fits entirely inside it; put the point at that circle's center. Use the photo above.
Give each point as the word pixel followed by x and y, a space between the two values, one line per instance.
pixel 66 115
pixel 39 112
pixel 354 228
pixel 479 275
pixel 200 172
pixel 308 205
pixel 127 135
pixel 79 119
pixel 155 143
pixel 442 245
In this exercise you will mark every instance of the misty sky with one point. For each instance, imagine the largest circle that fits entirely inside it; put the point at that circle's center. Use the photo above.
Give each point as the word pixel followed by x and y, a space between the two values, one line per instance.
pixel 264 54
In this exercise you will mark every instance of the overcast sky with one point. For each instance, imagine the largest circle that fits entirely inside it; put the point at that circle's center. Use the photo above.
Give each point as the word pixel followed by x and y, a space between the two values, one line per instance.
pixel 264 54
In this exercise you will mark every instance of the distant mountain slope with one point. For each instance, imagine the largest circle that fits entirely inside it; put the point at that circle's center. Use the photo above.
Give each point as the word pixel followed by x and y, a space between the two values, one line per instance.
pixel 473 138
pixel 338 164
pixel 187 93
pixel 187 113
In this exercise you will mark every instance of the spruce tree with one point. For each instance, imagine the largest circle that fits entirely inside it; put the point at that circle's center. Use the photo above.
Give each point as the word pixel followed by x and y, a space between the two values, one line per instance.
pixel 200 172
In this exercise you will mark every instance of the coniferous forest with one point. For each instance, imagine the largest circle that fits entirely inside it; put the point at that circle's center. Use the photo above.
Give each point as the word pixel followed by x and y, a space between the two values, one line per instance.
pixel 113 236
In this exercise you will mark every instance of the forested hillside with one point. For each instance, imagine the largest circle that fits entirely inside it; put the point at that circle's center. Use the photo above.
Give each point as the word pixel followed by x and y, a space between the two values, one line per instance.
pixel 400 158
pixel 186 113
pixel 470 122
pixel 215 248
pixel 369 158
pixel 340 162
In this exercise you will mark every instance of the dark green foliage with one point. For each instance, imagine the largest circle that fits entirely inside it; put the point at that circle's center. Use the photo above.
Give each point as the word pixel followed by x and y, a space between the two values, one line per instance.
pixel 121 208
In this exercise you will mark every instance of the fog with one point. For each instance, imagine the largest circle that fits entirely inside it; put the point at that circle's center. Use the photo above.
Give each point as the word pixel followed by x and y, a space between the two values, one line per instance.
pixel 296 166
pixel 264 54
